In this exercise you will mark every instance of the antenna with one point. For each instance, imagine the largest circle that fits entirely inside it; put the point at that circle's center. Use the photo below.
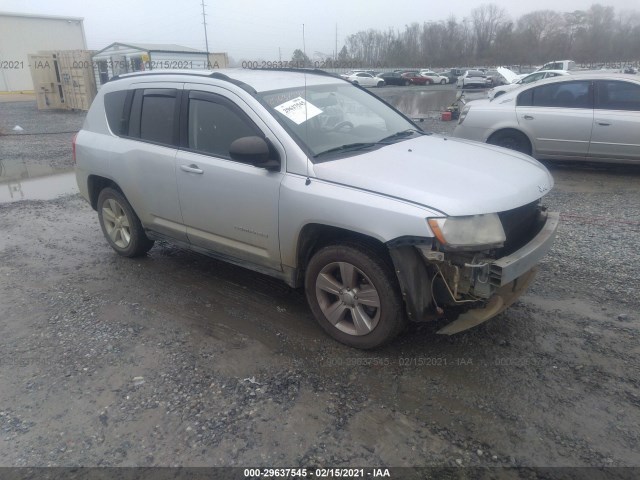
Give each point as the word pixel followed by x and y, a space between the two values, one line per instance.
pixel 306 116
pixel 206 40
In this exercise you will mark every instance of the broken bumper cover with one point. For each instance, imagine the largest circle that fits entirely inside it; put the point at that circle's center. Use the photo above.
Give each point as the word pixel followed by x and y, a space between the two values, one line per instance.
pixel 506 269
pixel 511 275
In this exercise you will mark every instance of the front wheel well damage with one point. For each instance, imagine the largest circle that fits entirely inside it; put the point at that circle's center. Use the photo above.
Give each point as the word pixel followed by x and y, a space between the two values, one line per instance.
pixel 315 236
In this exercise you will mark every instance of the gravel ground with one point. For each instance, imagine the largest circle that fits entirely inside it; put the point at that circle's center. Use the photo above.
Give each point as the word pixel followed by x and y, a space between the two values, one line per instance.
pixel 179 360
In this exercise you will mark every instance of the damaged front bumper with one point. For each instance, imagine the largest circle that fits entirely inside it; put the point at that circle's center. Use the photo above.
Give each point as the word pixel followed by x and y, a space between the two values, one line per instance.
pixel 475 290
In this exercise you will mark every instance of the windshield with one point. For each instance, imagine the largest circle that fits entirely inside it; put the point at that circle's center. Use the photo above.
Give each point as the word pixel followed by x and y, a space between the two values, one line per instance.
pixel 331 121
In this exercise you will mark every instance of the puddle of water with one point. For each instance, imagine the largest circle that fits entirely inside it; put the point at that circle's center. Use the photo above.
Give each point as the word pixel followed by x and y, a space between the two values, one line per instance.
pixel 40 188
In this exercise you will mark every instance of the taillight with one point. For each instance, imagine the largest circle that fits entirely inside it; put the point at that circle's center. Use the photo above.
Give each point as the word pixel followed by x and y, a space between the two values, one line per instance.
pixel 73 146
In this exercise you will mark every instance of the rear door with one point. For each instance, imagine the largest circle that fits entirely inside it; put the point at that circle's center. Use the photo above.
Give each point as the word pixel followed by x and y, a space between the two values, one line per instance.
pixel 558 117
pixel 616 123
pixel 144 158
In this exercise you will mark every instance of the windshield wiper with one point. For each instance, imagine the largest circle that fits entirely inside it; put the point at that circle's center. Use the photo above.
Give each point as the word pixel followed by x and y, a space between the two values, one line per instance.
pixel 401 134
pixel 350 147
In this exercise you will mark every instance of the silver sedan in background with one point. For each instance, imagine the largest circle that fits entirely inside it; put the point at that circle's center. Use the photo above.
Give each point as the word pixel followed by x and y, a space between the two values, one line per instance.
pixel 594 117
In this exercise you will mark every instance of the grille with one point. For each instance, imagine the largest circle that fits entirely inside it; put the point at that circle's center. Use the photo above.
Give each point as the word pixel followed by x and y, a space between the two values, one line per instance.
pixel 520 226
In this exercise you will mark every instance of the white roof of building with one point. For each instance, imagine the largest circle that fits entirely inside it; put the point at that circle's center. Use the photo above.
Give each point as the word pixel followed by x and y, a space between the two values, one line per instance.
pixel 33 15
pixel 154 47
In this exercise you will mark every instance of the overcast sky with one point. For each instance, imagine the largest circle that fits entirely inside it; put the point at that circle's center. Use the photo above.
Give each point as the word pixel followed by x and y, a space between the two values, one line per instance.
pixel 254 30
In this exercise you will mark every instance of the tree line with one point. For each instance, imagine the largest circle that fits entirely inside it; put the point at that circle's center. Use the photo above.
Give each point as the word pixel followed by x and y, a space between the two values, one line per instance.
pixel 488 36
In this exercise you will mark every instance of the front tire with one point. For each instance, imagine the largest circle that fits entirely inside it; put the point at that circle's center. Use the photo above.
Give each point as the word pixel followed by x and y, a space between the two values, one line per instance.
pixel 354 295
pixel 120 224
pixel 443 82
pixel 380 84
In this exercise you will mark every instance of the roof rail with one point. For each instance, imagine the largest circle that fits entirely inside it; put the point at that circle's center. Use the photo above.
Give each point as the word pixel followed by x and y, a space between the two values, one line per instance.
pixel 246 87
pixel 198 73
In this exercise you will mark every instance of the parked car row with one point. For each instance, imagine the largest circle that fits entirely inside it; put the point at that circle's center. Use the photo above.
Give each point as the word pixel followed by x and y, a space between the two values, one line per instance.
pixel 577 116
pixel 369 78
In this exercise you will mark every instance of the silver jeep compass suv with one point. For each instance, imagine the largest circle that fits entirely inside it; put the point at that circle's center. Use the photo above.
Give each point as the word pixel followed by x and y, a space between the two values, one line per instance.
pixel 303 176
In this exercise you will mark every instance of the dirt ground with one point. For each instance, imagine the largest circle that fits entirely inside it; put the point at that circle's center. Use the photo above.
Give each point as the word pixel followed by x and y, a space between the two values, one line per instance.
pixel 180 360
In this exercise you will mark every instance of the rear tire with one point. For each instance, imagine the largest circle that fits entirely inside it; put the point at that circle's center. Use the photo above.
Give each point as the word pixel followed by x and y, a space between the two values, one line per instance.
pixel 512 140
pixel 407 83
pixel 120 224
pixel 380 84
pixel 354 295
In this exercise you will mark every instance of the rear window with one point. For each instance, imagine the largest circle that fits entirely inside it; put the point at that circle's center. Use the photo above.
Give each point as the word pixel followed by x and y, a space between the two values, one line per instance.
pixel 154 115
pixel 114 109
pixel 475 73
pixel 156 123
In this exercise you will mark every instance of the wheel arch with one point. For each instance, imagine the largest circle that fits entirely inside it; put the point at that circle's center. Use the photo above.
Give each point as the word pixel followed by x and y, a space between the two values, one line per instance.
pixel 97 183
pixel 511 129
pixel 314 236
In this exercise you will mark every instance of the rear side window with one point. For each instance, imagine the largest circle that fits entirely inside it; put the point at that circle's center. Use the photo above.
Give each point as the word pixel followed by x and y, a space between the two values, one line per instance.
pixel 154 114
pixel 616 95
pixel 157 122
pixel 114 109
pixel 577 94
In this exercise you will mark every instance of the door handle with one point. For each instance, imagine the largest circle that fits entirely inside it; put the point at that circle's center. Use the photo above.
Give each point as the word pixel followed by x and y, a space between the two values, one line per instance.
pixel 528 117
pixel 193 168
pixel 604 124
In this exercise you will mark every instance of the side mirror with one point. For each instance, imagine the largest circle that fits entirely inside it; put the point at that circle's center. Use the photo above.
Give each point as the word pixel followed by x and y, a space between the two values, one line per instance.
pixel 254 151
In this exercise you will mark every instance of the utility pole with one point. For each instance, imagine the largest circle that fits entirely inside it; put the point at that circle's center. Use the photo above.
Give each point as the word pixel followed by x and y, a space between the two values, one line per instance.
pixel 206 40
pixel 335 52
pixel 304 45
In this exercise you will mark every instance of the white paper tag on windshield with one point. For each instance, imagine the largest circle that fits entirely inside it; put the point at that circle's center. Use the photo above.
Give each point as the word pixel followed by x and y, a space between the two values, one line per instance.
pixel 295 110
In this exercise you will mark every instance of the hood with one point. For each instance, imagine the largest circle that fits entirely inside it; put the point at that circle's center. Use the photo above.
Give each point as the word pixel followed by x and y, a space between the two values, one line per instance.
pixel 454 176
pixel 509 75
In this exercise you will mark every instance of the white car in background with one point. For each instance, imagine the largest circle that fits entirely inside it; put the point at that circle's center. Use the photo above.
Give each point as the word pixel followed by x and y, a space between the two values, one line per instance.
pixel 531 78
pixel 434 77
pixel 473 78
pixel 582 116
pixel 365 79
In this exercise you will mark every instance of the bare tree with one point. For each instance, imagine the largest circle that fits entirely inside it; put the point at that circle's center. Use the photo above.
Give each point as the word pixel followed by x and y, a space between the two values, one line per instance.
pixel 486 20
pixel 488 36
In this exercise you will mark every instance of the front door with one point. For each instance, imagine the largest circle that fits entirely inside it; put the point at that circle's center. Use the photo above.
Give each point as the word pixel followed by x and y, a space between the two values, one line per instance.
pixel 228 207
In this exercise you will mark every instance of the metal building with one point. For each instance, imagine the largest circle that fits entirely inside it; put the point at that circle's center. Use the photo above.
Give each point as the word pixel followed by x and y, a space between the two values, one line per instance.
pixel 22 34
pixel 120 58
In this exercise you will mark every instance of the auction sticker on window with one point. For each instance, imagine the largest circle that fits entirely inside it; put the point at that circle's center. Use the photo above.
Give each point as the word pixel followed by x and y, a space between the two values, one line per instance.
pixel 298 110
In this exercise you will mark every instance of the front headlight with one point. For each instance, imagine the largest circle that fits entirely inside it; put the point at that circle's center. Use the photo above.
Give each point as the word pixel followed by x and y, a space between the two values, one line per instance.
pixel 469 231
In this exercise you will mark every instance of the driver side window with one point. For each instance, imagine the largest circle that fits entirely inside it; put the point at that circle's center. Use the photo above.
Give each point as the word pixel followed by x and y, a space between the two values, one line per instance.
pixel 214 123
